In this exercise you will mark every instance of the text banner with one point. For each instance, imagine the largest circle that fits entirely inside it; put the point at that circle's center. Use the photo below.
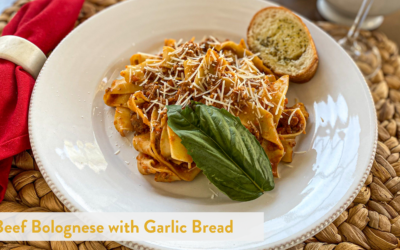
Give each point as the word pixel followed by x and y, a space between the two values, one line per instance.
pixel 132 226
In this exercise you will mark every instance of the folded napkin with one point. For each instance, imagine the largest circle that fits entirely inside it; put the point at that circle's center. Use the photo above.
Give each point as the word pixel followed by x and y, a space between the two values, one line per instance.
pixel 45 23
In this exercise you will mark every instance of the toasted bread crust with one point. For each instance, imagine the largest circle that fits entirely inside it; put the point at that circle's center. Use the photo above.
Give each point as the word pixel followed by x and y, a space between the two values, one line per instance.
pixel 310 71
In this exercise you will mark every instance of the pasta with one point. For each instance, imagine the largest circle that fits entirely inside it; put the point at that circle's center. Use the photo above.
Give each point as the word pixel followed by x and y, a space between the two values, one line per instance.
pixel 222 74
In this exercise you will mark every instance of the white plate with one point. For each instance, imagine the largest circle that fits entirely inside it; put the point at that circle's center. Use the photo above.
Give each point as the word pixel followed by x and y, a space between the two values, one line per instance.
pixel 74 141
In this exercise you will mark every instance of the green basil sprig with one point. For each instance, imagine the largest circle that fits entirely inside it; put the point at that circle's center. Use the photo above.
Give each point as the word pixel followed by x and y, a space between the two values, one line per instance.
pixel 229 155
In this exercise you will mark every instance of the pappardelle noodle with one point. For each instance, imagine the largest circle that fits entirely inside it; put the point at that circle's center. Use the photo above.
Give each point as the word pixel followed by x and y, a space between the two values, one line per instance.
pixel 222 74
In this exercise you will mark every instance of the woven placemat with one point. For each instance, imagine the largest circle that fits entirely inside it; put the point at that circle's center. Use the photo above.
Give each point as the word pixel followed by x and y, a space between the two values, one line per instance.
pixel 372 221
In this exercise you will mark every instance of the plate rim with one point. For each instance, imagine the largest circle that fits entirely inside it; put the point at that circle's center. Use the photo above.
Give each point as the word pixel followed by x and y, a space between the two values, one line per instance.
pixel 147 245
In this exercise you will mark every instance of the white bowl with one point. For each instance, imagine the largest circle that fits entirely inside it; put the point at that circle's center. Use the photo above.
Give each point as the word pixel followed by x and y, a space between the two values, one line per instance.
pixel 345 11
pixel 73 138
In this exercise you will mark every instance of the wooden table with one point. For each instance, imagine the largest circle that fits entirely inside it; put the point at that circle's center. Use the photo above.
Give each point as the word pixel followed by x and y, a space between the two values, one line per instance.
pixel 308 8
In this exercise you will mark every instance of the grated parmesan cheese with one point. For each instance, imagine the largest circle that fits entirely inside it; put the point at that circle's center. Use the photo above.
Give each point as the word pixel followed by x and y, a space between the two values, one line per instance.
pixel 292 114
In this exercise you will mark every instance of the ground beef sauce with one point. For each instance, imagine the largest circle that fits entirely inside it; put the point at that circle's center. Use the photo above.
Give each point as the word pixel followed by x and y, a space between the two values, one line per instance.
pixel 138 126
pixel 295 125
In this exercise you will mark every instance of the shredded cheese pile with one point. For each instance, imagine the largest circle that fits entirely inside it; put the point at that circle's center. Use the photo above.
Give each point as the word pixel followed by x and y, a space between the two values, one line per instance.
pixel 233 83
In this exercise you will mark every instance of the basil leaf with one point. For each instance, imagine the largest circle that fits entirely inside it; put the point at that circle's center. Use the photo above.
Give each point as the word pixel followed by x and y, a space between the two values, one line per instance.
pixel 229 155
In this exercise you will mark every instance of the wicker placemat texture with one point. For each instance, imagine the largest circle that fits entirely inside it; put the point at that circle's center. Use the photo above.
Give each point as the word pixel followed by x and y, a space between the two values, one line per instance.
pixel 372 221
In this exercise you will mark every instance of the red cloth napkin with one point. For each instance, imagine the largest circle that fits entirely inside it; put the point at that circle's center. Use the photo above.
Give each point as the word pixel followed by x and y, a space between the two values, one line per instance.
pixel 44 23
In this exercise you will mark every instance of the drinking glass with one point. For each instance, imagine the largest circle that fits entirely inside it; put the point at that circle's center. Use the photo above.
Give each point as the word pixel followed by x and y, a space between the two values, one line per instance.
pixel 363 53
